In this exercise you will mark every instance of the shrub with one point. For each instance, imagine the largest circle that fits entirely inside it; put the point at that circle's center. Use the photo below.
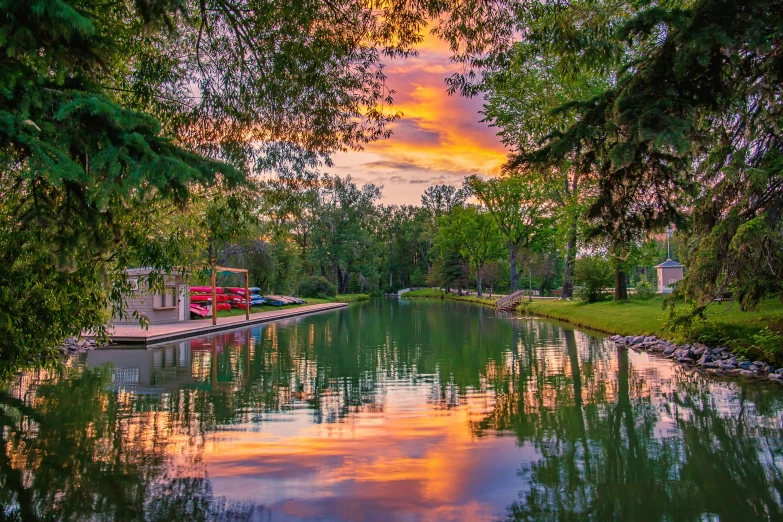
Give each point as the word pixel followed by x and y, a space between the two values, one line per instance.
pixel 593 274
pixel 317 287
pixel 644 289
pixel 769 343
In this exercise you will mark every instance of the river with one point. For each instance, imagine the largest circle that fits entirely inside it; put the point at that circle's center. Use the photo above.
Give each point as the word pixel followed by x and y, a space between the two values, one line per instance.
pixel 409 410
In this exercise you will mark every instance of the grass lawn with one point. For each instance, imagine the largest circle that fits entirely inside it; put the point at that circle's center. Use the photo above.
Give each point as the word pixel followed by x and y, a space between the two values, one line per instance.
pixel 345 298
pixel 725 323
pixel 440 294
pixel 636 317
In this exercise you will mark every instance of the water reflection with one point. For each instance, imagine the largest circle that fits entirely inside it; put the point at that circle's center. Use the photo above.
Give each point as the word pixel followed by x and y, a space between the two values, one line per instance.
pixel 421 411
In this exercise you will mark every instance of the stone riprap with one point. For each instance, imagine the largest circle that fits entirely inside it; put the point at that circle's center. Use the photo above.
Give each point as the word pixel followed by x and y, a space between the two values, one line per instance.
pixel 73 345
pixel 713 361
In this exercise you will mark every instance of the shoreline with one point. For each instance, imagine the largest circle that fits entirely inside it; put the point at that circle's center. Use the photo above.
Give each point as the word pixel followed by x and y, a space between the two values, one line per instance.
pixel 134 334
pixel 717 362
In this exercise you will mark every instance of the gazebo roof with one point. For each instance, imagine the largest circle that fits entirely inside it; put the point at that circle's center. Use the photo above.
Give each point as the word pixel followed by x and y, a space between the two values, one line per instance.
pixel 669 264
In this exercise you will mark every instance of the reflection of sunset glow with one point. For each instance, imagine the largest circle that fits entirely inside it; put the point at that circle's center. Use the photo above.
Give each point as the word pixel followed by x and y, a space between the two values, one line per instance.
pixel 439 139
pixel 392 413
pixel 414 452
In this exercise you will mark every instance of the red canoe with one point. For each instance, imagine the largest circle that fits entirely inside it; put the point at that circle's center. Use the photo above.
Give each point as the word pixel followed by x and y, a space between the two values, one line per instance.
pixel 200 311
pixel 205 290
pixel 204 298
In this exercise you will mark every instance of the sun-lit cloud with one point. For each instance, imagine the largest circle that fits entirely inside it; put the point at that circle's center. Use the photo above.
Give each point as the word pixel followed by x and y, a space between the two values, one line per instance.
pixel 439 139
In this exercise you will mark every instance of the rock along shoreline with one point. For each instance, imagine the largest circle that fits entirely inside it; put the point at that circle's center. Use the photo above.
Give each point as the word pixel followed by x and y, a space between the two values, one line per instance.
pixel 712 361
pixel 73 346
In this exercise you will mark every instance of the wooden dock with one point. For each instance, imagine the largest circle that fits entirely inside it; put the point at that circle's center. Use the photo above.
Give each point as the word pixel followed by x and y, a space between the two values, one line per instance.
pixel 159 333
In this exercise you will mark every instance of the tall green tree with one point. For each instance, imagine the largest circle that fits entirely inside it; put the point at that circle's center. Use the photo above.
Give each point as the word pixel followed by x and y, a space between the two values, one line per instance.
pixel 112 111
pixel 441 199
pixel 343 230
pixel 472 231
pixel 517 207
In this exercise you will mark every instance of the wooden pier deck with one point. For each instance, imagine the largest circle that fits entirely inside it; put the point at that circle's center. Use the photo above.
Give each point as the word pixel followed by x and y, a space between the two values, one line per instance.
pixel 159 333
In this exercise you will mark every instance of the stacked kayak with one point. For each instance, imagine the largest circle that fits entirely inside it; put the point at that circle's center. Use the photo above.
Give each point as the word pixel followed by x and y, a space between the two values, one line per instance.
pixel 204 298
pixel 205 290
pixel 233 297
pixel 201 301
pixel 200 311
pixel 280 300
pixel 238 296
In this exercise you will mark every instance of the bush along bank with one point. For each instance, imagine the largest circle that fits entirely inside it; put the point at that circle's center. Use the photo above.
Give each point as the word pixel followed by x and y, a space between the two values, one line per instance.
pixel 712 361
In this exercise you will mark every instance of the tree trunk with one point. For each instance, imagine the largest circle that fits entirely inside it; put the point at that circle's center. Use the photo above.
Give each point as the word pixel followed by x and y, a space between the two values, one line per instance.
pixel 512 252
pixel 620 290
pixel 344 280
pixel 570 260
pixel 334 277
pixel 478 282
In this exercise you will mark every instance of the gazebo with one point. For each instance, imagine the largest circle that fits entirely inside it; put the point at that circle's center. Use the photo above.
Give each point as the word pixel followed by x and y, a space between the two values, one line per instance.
pixel 669 272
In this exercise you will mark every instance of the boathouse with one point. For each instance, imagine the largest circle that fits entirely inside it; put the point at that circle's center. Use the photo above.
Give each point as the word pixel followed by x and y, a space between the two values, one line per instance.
pixel 169 304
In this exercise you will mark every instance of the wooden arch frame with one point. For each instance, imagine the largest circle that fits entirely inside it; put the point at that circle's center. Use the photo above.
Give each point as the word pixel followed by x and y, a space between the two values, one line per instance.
pixel 217 269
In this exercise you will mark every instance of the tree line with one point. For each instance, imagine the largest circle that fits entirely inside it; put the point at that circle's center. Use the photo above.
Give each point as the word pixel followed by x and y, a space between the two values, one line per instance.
pixel 496 234
pixel 139 133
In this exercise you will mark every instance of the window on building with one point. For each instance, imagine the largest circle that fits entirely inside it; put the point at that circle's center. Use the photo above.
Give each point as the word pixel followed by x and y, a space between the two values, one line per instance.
pixel 167 298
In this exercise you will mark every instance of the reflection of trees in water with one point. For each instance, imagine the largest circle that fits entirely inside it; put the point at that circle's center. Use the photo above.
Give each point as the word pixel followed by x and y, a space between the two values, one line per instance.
pixel 78 451
pixel 335 365
pixel 75 448
pixel 610 454
pixel 615 442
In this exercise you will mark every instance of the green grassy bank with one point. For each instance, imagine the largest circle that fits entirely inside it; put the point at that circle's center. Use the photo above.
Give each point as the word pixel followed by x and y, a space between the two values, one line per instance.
pixel 440 294
pixel 726 325
pixel 757 334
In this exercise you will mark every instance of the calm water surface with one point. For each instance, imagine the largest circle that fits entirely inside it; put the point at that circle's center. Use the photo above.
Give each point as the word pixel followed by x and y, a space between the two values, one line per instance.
pixel 409 410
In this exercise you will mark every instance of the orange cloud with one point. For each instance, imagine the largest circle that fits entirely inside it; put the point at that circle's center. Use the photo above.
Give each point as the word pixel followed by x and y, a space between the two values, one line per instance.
pixel 438 139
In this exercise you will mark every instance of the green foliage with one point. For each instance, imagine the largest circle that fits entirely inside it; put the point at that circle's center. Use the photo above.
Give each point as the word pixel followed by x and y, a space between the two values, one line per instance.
pixel 471 231
pixel 517 206
pixel 662 107
pixel 644 289
pixel 317 287
pixel 350 298
pixel 127 129
pixel 342 218
pixel 441 199
pixel 593 274
pixel 769 343
pixel 435 293
pixel 723 325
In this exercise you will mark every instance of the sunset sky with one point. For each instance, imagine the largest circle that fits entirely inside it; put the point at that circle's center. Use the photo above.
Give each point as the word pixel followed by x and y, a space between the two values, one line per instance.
pixel 438 139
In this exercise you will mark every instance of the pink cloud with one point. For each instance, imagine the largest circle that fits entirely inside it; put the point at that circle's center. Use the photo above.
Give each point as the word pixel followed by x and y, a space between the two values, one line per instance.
pixel 439 138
